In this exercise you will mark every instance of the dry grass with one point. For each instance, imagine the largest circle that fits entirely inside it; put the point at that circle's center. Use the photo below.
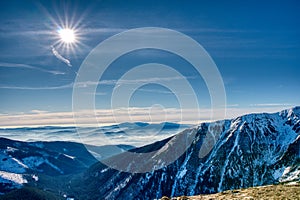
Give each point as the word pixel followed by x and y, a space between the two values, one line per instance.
pixel 285 191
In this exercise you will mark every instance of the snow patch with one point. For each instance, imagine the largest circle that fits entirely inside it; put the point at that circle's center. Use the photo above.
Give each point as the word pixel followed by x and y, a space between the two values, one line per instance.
pixel 290 175
pixel 10 164
pixel 12 177
pixel 20 163
pixel 71 157
pixel 35 177
pixel 123 184
pixel 11 149
pixel 104 170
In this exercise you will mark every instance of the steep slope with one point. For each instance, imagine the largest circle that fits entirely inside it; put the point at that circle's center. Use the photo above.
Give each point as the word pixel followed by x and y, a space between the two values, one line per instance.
pixel 24 162
pixel 52 158
pixel 50 164
pixel 251 150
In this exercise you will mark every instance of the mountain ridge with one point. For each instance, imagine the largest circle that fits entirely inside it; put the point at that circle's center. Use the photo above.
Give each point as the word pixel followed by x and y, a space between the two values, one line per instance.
pixel 251 150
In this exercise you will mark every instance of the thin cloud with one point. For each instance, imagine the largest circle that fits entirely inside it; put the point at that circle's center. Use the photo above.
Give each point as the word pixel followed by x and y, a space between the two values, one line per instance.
pixel 270 104
pixel 60 57
pixel 91 83
pixel 26 66
pixel 86 118
pixel 38 111
pixel 119 115
pixel 155 91
pixel 130 81
pixel 102 30
pixel 231 105
pixel 70 85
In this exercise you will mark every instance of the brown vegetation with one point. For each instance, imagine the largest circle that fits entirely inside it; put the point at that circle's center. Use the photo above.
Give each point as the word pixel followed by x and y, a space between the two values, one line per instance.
pixel 281 191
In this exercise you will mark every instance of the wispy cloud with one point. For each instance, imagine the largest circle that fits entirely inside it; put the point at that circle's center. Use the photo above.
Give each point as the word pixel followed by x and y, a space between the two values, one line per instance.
pixel 70 85
pixel 270 104
pixel 26 66
pixel 60 57
pixel 38 111
pixel 92 83
pixel 155 91
pixel 130 81
pixel 102 30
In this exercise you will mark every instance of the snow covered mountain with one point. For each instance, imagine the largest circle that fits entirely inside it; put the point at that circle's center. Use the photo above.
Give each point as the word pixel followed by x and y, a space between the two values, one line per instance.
pixel 50 152
pixel 24 162
pixel 251 150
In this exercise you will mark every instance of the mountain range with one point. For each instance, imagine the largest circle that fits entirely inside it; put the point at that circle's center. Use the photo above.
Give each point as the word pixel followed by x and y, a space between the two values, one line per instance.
pixel 250 150
pixel 124 133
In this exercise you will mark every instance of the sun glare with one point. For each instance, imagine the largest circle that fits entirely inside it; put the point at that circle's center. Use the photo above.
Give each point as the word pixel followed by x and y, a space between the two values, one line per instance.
pixel 67 35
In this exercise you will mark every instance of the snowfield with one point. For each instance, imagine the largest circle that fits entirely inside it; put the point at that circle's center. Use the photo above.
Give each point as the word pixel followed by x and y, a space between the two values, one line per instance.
pixel 16 179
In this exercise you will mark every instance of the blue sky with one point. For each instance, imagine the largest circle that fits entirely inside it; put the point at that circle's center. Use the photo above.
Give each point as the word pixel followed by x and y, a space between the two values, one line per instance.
pixel 255 45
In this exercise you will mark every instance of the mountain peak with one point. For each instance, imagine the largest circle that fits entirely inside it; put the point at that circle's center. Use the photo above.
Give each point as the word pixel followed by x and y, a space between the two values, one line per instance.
pixel 296 110
pixel 291 113
pixel 250 150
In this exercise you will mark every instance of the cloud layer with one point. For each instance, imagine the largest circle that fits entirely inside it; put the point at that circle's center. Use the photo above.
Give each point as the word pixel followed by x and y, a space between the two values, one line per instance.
pixel 134 114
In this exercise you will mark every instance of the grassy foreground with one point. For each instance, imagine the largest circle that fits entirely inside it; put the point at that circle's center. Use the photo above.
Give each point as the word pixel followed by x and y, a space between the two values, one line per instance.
pixel 281 191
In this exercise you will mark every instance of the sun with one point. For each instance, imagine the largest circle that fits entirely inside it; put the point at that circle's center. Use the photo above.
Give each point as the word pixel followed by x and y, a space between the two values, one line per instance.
pixel 68 39
pixel 67 35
